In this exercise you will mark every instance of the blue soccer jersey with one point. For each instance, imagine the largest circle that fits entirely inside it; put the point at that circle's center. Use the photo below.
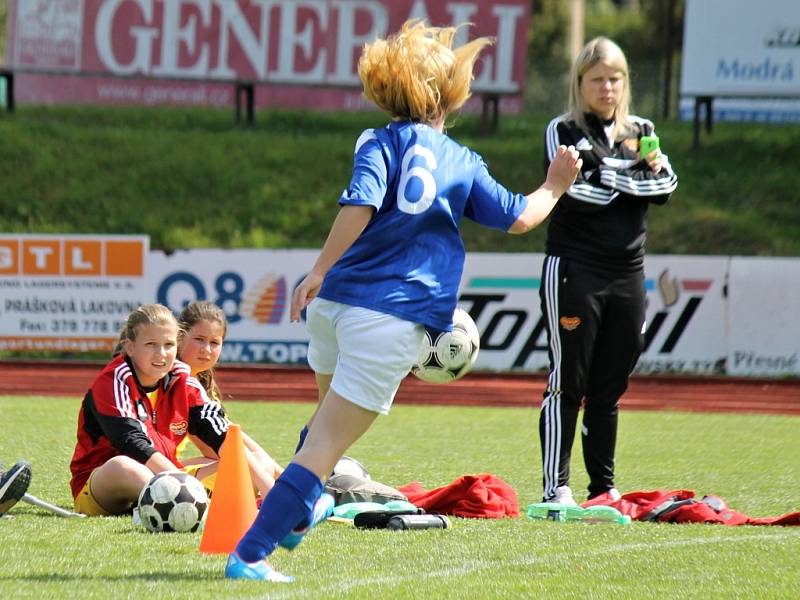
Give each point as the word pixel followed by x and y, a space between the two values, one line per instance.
pixel 409 259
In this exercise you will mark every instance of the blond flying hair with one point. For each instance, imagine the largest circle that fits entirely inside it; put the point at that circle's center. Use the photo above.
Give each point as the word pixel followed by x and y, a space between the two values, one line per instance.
pixel 416 74
pixel 601 50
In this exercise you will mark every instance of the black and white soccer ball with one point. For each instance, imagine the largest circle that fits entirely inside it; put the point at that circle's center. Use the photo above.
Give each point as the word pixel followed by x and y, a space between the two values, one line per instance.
pixel 445 356
pixel 173 501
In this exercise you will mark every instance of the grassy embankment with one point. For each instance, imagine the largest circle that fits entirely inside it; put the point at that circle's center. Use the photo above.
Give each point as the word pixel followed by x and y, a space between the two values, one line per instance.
pixel 190 178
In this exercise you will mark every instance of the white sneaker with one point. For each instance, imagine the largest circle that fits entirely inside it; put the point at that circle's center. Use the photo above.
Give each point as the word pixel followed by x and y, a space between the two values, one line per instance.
pixel 614 494
pixel 562 495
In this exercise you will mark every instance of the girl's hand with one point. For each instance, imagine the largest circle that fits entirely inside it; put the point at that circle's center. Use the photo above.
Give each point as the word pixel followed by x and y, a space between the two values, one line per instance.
pixel 305 293
pixel 653 160
pixel 564 168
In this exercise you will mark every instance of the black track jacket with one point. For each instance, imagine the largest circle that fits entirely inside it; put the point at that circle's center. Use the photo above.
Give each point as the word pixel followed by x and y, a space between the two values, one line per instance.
pixel 601 220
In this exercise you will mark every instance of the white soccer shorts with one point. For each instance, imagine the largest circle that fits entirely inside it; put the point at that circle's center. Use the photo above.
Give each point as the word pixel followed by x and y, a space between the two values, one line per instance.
pixel 368 352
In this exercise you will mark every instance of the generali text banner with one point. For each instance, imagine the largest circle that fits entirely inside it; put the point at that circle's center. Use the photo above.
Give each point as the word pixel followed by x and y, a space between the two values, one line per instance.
pixel 190 51
pixel 69 293
pixel 741 48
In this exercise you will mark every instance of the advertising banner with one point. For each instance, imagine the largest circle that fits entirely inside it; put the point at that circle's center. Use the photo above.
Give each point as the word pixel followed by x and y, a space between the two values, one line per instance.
pixel 685 330
pixel 741 48
pixel 685 319
pixel 764 333
pixel 686 322
pixel 501 292
pixel 705 314
pixel 254 289
pixel 190 51
pixel 69 293
pixel 759 110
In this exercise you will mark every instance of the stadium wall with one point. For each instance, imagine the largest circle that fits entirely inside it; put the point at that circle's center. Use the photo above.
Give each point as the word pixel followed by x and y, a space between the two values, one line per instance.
pixel 706 315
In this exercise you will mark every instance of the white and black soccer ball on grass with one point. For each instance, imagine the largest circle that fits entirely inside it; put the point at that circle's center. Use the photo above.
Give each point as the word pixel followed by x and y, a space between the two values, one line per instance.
pixel 173 501
pixel 445 356
pixel 350 466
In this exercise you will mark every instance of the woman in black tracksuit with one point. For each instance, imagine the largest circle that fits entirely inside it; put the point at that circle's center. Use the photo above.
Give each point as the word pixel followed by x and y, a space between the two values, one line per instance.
pixel 592 288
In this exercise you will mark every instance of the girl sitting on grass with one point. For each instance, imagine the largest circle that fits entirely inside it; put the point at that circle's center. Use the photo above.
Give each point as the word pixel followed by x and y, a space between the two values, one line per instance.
pixel 136 412
pixel 204 327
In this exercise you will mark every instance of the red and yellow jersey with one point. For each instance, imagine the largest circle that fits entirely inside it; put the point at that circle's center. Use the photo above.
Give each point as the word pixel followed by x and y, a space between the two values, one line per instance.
pixel 183 446
pixel 118 417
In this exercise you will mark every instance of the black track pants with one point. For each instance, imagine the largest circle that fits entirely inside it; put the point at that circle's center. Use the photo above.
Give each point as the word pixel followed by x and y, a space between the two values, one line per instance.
pixel 594 324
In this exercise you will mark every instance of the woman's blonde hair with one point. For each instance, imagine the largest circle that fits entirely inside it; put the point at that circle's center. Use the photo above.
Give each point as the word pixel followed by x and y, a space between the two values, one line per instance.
pixel 601 50
pixel 146 314
pixel 194 313
pixel 416 74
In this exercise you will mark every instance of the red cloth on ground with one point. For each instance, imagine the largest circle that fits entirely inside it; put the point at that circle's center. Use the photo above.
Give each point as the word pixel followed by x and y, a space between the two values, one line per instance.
pixel 638 505
pixel 480 496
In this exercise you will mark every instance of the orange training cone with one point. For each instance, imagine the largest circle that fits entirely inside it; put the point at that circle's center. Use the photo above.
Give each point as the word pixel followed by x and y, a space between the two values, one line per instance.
pixel 233 505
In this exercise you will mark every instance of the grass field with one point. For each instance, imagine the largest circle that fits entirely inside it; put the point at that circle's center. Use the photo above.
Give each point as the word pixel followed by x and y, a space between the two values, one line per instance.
pixel 750 460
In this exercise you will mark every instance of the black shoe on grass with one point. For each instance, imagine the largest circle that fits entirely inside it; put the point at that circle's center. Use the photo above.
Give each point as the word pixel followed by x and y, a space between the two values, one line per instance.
pixel 13 485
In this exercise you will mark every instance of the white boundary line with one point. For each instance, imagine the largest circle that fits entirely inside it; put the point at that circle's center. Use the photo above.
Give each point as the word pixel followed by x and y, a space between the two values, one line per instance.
pixel 472 566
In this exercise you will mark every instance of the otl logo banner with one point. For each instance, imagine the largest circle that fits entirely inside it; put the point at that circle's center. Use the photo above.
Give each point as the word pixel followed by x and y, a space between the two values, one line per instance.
pixel 73 256
pixel 69 292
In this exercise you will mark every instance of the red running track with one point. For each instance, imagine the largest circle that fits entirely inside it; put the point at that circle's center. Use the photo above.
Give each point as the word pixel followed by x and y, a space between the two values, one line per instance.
pixel 267 383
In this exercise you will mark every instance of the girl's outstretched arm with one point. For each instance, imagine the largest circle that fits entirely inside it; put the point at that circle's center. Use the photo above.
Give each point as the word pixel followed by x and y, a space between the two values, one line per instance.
pixel 349 224
pixel 560 175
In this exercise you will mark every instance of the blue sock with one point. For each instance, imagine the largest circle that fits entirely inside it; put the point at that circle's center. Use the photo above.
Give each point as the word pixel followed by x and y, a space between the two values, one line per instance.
pixel 290 502
pixel 303 434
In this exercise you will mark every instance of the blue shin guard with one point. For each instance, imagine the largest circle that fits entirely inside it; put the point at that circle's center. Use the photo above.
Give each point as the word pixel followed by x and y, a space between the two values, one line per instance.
pixel 323 508
pixel 288 504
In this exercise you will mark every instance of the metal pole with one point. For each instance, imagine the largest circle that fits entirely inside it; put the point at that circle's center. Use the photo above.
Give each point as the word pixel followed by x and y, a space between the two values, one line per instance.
pixel 577 30
pixel 669 51
pixel 51 507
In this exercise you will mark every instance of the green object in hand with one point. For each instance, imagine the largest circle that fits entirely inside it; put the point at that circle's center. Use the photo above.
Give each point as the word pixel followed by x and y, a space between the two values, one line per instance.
pixel 647 143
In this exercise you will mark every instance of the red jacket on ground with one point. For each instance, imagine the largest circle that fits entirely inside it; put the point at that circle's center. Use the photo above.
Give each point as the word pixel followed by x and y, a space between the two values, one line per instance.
pixel 681 506
pixel 482 496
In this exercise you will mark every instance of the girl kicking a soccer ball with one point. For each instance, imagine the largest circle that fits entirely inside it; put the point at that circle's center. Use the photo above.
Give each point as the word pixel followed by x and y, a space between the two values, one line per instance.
pixel 391 264
pixel 136 412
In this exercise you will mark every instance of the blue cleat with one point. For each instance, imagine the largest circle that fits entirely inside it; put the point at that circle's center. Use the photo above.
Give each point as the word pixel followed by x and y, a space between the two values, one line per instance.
pixel 323 509
pixel 237 568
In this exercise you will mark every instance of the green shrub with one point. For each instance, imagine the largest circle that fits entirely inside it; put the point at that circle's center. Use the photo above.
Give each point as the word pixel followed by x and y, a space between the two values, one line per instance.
pixel 191 178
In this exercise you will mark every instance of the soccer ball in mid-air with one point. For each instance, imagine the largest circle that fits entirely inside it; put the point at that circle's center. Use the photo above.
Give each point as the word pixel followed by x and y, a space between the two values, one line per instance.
pixel 173 501
pixel 445 356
